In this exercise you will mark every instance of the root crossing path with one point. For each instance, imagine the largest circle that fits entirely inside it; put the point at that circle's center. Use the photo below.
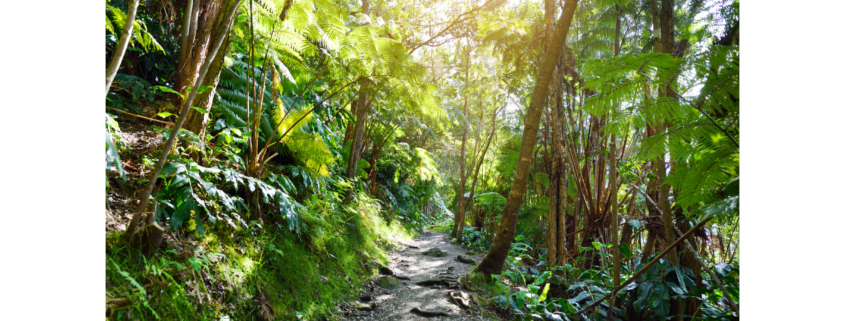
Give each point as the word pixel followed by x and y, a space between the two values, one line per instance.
pixel 399 297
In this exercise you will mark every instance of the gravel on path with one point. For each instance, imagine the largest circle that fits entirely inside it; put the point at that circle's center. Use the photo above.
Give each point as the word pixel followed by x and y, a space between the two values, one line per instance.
pixel 396 304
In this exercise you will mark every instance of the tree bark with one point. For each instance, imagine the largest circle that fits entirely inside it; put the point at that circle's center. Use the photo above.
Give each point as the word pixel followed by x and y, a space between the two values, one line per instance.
pixel 134 233
pixel 614 221
pixel 125 36
pixel 189 30
pixel 357 139
pixel 667 35
pixel 204 26
pixel 655 23
pixel 458 227
pixel 363 107
pixel 495 258
pixel 557 188
pixel 478 166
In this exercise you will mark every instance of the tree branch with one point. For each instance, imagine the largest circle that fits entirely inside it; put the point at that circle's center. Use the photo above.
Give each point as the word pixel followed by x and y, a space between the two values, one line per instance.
pixel 417 46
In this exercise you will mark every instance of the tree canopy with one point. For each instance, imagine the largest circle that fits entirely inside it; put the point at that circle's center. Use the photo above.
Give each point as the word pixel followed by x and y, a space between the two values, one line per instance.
pixel 590 150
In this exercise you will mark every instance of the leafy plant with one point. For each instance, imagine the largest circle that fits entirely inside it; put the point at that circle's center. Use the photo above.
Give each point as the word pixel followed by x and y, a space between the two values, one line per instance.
pixel 116 19
pixel 112 151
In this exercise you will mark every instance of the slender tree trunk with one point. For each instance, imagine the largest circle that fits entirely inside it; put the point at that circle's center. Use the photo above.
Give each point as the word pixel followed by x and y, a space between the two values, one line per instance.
pixel 357 140
pixel 458 227
pixel 142 235
pixel 614 221
pixel 459 219
pixel 562 216
pixel 495 258
pixel 478 166
pixel 555 155
pixel 360 120
pixel 125 36
pixel 667 35
pixel 350 126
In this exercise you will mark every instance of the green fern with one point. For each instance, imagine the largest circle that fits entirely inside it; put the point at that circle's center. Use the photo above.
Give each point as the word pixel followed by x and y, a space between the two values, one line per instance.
pixel 116 21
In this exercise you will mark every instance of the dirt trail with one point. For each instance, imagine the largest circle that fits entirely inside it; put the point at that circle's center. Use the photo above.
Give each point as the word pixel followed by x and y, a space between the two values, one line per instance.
pixel 397 303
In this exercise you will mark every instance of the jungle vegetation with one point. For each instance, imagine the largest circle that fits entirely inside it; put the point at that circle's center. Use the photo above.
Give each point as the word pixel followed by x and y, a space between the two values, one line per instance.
pixel 589 147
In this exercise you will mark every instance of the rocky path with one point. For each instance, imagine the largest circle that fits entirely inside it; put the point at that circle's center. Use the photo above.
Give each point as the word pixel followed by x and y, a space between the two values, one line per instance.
pixel 400 297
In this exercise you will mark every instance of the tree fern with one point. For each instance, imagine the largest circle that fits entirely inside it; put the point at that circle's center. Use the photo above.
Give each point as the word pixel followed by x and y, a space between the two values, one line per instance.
pixel 139 29
pixel 705 172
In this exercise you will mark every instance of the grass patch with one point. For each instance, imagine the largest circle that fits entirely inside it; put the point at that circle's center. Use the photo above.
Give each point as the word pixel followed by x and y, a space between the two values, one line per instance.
pixel 257 273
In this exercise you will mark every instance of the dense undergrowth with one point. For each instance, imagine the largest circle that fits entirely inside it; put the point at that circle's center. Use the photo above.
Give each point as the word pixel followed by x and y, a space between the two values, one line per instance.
pixel 528 289
pixel 322 136
pixel 251 272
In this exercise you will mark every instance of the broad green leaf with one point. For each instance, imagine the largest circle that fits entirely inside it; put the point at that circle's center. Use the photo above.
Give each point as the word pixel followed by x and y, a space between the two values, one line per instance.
pixel 204 88
pixel 520 300
pixel 168 90
pixel 164 114
pixel 677 289
pixel 201 110
pixel 172 168
pixel 197 219
pixel 579 297
pixel 643 295
pixel 722 269
pixel 112 157
pixel 542 278
pixel 545 292
pixel 625 250
pixel 567 307
pixel 182 213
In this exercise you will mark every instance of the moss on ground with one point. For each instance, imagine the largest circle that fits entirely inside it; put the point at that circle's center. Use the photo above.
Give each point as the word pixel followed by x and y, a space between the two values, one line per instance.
pixel 256 273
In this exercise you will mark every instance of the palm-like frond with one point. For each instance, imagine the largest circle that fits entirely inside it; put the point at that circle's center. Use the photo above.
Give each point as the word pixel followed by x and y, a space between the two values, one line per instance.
pixel 139 29
pixel 705 172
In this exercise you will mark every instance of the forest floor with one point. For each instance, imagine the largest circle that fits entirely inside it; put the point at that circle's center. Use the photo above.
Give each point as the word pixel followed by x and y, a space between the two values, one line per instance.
pixel 394 297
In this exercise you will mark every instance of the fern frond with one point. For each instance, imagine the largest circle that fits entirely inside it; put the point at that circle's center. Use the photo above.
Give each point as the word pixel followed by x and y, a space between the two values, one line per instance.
pixel 704 135
pixel 698 181
pixel 109 25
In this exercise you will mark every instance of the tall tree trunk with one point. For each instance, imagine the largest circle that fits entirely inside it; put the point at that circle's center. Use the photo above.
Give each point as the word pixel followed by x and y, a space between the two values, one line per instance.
pixel 146 236
pixel 562 217
pixel 667 35
pixel 478 167
pixel 495 258
pixel 204 26
pixel 459 219
pixel 114 65
pixel 363 107
pixel 655 23
pixel 350 126
pixel 357 140
pixel 457 228
pixel 614 221
pixel 555 178
pixel 189 32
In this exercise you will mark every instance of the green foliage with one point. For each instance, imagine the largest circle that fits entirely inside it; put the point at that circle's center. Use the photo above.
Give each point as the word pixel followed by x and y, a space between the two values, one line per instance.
pixel 112 155
pixel 651 296
pixel 116 20
pixel 292 118
pixel 255 265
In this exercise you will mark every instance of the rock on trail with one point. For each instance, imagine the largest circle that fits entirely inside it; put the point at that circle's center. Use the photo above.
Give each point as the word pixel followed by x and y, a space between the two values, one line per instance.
pixel 419 283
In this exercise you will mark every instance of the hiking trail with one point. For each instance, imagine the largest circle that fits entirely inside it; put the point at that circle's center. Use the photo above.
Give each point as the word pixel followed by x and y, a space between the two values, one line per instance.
pixel 396 294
